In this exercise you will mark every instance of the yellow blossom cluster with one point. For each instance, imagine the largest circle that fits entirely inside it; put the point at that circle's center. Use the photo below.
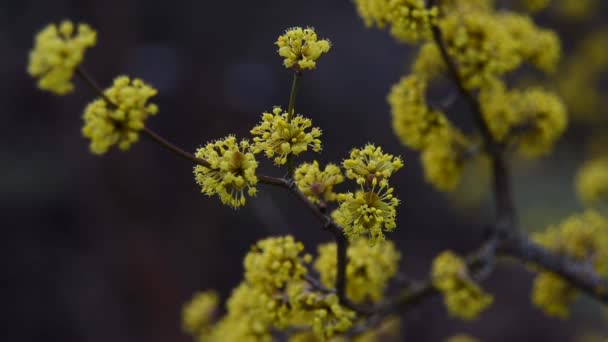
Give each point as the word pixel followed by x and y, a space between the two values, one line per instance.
pixel 367 213
pixel 197 315
pixel 409 20
pixel 118 116
pixel 583 238
pixel 58 51
pixel 301 48
pixel 412 120
pixel 370 163
pixel 231 170
pixel 532 118
pixel 592 180
pixel 481 47
pixel 318 185
pixel 274 262
pixel 576 9
pixel 537 46
pixel 463 298
pixel 368 271
pixel 274 295
pixel 444 159
pixel 466 6
pixel 279 137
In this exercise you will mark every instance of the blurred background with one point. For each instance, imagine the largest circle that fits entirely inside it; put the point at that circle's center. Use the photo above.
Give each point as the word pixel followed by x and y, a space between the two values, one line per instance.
pixel 109 248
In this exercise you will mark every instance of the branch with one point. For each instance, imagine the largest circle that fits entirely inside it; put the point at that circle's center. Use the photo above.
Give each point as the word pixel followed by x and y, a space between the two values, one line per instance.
pixel 579 275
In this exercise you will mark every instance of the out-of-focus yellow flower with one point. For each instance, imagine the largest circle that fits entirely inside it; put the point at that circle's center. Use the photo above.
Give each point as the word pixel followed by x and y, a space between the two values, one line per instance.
pixel 197 315
pixel 57 53
pixel 533 118
pixel 301 48
pixel 368 213
pixel 576 9
pixel 535 5
pixel 463 297
pixel 413 121
pixel 480 45
pixel 118 123
pixel 540 47
pixel 592 181
pixel 583 238
pixel 277 137
pixel 409 20
pixel 553 294
pixel 231 172
pixel 318 185
pixel 368 271
pixel 443 160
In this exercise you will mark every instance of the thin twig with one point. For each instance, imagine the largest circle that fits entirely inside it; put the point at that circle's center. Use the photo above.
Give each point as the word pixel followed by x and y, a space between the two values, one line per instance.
pixel 297 75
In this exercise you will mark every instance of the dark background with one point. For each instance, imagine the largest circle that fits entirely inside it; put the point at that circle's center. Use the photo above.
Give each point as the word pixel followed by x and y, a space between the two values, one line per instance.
pixel 109 248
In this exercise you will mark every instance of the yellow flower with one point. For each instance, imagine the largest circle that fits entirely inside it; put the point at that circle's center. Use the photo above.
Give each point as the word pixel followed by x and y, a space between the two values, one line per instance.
pixel 463 297
pixel 409 20
pixel 246 318
pixel 413 122
pixel 576 9
pixel 581 237
pixel 327 316
pixel 274 262
pixel 481 47
pixel 318 185
pixel 231 172
pixel 429 62
pixel 368 271
pixel 367 213
pixel 57 53
pixel 592 181
pixel 301 48
pixel 197 314
pixel 553 295
pixel 540 47
pixel 532 118
pixel 118 122
pixel 544 118
pixel 278 138
pixel 443 160
pixel 370 163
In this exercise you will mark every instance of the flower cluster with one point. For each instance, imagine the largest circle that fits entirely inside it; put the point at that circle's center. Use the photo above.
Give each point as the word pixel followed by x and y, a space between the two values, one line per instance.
pixel 274 262
pixel 370 163
pixel 197 315
pixel 301 48
pixel 273 296
pixel 592 181
pixel 583 238
pixel 318 185
pixel 463 297
pixel 533 118
pixel 368 271
pixel 367 213
pixel 231 170
pixel 444 159
pixel 481 47
pixel 539 47
pixel 278 135
pixel 409 20
pixel 58 51
pixel 413 122
pixel 118 116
